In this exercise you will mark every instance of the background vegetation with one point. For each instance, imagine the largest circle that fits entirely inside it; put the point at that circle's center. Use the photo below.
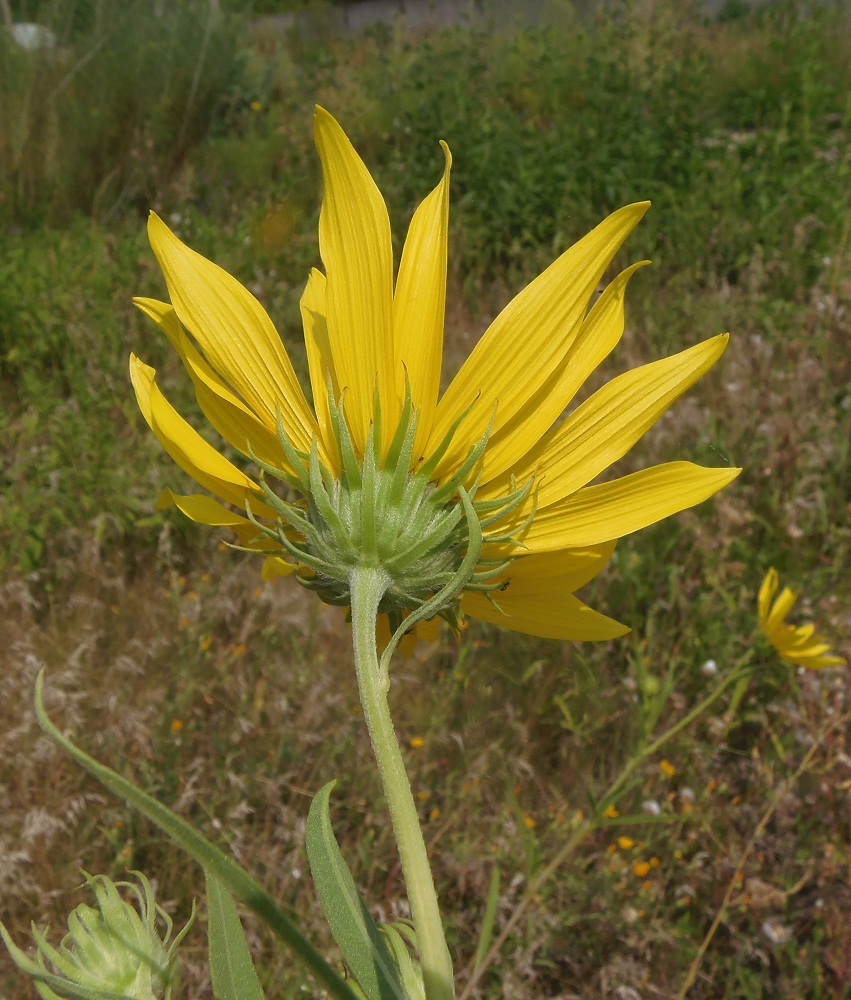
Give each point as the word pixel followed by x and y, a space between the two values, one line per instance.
pixel 234 701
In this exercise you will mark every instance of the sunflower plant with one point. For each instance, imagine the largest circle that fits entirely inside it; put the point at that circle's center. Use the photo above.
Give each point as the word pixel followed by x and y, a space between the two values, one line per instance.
pixel 402 505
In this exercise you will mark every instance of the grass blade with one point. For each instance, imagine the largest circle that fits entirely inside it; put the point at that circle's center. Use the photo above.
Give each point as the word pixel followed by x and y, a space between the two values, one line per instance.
pixel 486 933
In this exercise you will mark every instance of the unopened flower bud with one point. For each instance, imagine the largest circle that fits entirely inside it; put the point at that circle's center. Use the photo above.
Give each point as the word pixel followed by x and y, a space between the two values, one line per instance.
pixel 114 948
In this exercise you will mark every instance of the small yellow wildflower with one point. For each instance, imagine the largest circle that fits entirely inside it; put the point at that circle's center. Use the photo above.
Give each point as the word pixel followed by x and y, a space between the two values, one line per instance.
pixel 529 822
pixel 626 843
pixel 434 814
pixel 176 725
pixel 667 768
pixel 611 812
pixel 641 868
pixel 256 106
pixel 416 742
pixel 797 644
pixel 477 502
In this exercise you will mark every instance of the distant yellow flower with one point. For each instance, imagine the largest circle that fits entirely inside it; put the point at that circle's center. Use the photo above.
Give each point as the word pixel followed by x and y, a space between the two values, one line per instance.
pixel 626 843
pixel 795 643
pixel 667 768
pixel 477 502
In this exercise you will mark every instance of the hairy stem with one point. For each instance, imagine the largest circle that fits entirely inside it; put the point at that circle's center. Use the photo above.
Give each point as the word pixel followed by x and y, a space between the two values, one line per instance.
pixel 367 587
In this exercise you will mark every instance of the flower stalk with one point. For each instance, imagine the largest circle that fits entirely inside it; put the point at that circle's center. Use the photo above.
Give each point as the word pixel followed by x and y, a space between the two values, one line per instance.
pixel 367 587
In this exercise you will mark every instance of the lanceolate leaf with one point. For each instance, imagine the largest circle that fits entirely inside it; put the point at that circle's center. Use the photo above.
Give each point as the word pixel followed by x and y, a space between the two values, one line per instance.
pixel 353 928
pixel 231 968
pixel 240 883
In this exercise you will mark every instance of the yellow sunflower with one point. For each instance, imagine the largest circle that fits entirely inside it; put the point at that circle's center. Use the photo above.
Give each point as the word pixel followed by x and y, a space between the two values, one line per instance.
pixel 475 502
pixel 797 644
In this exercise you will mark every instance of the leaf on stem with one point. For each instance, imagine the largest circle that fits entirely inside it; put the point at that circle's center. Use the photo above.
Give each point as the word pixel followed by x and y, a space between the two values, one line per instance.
pixel 231 968
pixel 353 928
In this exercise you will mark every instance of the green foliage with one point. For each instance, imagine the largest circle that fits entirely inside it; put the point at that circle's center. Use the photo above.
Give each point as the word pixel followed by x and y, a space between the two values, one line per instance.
pixel 101 119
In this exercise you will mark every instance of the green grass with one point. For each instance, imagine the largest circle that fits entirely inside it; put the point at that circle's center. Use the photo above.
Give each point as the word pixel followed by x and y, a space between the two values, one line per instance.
pixel 233 701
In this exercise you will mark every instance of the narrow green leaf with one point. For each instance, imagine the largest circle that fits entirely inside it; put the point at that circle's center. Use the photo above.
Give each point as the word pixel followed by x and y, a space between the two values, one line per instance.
pixel 486 933
pixel 353 928
pixel 398 938
pixel 231 968
pixel 240 883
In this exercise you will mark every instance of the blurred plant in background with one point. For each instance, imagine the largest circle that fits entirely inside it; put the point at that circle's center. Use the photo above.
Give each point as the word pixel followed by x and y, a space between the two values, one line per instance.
pixel 98 119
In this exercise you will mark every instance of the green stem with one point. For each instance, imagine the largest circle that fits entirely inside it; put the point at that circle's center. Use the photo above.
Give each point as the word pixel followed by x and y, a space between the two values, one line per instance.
pixel 367 587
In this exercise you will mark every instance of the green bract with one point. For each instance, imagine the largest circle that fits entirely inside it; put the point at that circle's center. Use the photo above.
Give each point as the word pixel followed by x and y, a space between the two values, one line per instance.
pixel 378 514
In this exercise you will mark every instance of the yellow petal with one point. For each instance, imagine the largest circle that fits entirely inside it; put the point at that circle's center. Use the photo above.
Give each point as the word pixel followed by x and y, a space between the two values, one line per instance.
pixel 235 334
pixel 508 453
pixel 552 614
pixel 605 427
pixel 202 509
pixel 188 449
pixel 780 609
pixel 538 596
pixel 320 361
pixel 205 510
pixel 226 412
pixel 528 341
pixel 767 590
pixel 419 304
pixel 429 631
pixel 567 568
pixel 611 510
pixel 354 241
pixel 276 566
pixel 817 660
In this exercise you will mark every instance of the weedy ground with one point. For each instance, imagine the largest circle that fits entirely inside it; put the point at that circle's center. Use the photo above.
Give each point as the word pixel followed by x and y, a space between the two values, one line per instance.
pixel 234 701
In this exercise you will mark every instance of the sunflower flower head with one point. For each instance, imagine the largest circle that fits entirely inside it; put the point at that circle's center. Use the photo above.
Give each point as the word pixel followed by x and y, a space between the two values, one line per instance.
pixel 114 949
pixel 475 502
pixel 798 644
